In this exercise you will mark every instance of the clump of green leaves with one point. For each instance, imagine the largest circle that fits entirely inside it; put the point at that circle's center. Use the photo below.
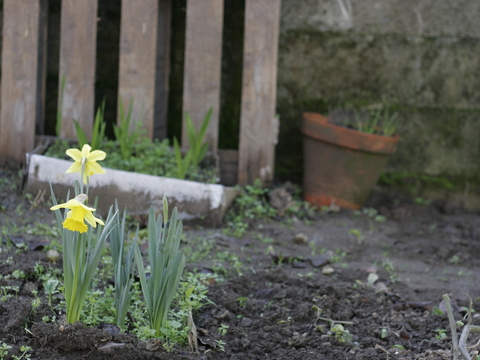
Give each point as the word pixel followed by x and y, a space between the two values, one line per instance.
pixel 251 204
pixel 377 121
pixel 374 120
pixel 151 157
pixel 24 349
pixel 183 163
pixel 190 297
pixel 4 350
pixel 197 150
pixel 98 131
pixel 125 135
pixel 166 265
pixel 100 307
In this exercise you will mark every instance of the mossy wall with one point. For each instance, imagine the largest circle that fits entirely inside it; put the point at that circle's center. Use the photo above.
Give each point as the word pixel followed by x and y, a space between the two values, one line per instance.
pixel 421 57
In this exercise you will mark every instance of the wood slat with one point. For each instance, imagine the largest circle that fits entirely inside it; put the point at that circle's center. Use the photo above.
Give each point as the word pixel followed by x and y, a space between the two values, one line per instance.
pixel 203 61
pixel 138 44
pixel 258 124
pixel 78 43
pixel 228 166
pixel 20 49
pixel 163 68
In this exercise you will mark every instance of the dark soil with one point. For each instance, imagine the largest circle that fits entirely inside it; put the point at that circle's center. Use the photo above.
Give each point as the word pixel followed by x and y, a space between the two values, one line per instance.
pixel 291 281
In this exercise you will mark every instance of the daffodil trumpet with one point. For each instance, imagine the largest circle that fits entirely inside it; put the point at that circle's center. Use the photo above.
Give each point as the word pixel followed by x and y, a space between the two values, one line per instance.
pixel 78 214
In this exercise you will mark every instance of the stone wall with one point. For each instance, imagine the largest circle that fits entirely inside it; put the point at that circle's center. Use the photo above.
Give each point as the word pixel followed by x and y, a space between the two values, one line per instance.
pixel 422 56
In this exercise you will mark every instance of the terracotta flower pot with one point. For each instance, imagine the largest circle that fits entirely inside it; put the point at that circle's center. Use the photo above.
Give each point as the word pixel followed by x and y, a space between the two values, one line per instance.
pixel 341 165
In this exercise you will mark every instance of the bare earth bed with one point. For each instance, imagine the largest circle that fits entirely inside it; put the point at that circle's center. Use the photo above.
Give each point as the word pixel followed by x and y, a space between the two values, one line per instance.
pixel 285 282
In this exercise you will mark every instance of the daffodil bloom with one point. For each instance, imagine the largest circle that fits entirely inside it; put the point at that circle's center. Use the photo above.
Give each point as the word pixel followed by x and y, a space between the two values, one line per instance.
pixel 77 215
pixel 88 159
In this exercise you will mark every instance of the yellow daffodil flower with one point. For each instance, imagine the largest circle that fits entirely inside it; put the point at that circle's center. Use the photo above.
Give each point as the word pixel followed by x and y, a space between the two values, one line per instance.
pixel 77 214
pixel 89 159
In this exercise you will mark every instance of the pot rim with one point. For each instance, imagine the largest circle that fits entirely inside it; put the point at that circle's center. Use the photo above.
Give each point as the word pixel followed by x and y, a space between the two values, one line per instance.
pixel 318 127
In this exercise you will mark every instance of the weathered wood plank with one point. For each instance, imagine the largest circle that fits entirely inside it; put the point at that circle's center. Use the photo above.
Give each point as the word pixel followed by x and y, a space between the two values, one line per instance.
pixel 203 61
pixel 228 166
pixel 138 44
pixel 163 68
pixel 19 79
pixel 78 43
pixel 258 124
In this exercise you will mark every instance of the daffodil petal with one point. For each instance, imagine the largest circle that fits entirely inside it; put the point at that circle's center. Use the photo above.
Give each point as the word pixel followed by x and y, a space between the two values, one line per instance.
pixel 86 150
pixel 94 168
pixel 75 154
pixel 88 208
pixel 92 220
pixel 78 214
pixel 76 166
pixel 70 204
pixel 97 155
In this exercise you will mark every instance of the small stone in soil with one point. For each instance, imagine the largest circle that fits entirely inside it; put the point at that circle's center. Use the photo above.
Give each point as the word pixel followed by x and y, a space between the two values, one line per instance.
pixel 52 255
pixel 263 294
pixel 327 270
pixel 246 322
pixel 300 239
pixel 318 261
pixel 299 264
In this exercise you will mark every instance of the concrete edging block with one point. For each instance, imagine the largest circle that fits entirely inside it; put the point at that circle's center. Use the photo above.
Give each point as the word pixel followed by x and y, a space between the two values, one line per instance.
pixel 199 202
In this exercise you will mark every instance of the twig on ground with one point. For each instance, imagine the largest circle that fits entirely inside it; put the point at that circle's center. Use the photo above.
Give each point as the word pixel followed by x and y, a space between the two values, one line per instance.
pixel 381 348
pixel 38 199
pixel 453 328
pixel 461 345
pixel 336 321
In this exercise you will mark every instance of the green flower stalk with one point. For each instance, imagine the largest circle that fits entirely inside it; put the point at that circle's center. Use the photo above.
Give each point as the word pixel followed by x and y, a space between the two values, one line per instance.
pixel 82 246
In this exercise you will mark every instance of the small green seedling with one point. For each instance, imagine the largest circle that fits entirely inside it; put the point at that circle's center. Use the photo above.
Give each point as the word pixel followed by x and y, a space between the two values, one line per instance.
pixel 242 301
pixel 340 333
pixel 4 350
pixel 223 329
pixel 50 288
pixel 358 235
pixel 24 349
pixel 441 333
